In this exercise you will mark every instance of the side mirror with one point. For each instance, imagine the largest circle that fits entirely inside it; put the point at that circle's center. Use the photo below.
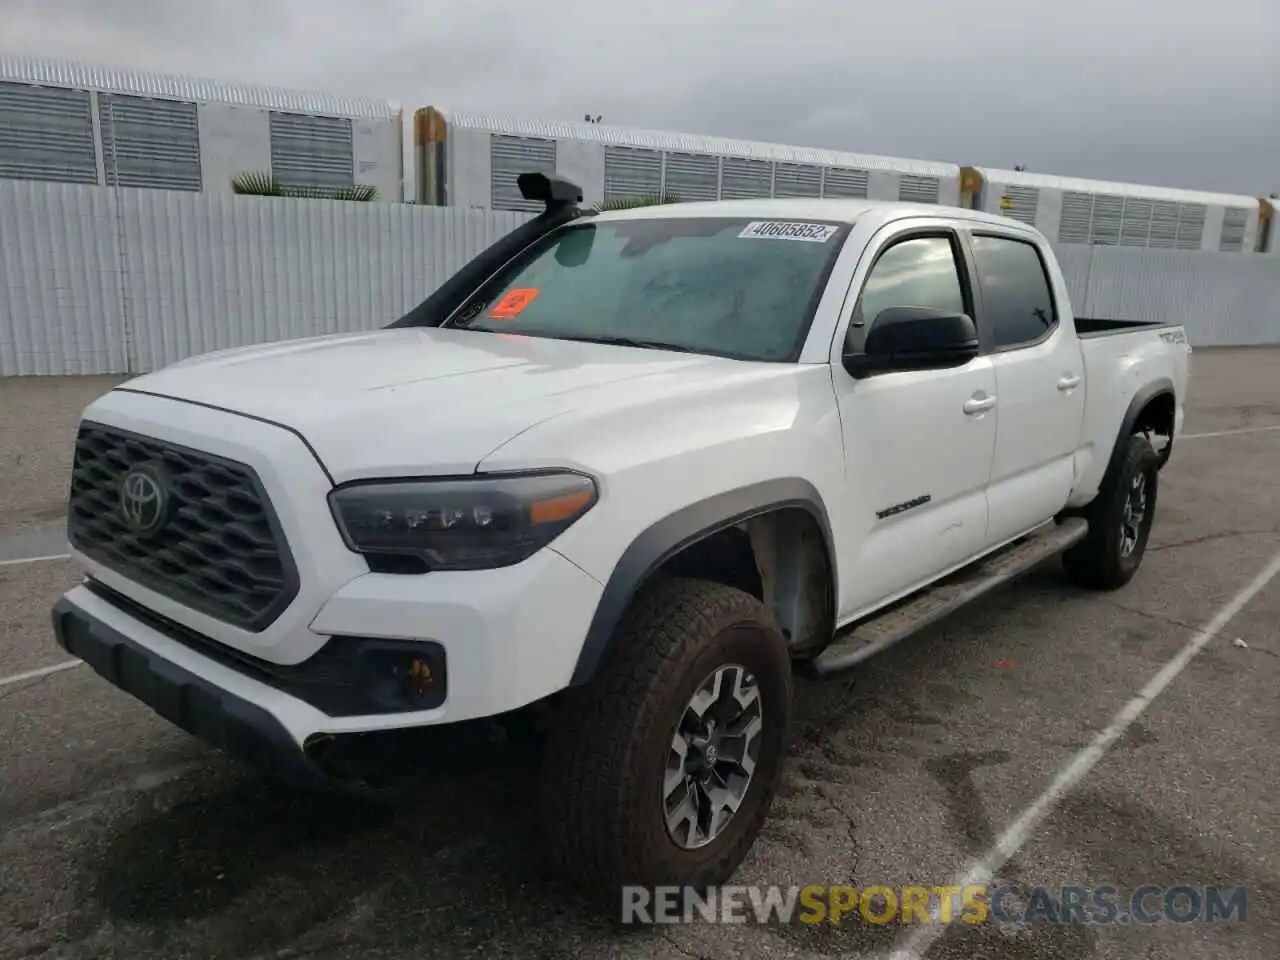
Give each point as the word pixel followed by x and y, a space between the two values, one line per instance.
pixel 914 338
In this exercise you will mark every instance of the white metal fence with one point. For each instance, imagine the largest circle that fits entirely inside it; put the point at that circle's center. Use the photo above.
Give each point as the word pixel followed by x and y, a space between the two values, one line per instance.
pixel 95 280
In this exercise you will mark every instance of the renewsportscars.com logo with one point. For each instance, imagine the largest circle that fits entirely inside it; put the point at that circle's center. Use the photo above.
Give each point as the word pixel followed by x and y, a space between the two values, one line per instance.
pixel 1102 905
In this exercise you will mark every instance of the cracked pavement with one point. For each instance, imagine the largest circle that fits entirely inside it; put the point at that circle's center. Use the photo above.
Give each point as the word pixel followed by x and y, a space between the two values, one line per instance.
pixel 121 836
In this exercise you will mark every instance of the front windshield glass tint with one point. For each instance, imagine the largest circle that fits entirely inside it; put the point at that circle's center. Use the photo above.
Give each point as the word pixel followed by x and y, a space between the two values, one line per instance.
pixel 730 287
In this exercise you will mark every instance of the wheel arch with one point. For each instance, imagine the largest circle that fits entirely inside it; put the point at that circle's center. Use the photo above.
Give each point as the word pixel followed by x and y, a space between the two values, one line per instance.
pixel 673 535
pixel 1146 407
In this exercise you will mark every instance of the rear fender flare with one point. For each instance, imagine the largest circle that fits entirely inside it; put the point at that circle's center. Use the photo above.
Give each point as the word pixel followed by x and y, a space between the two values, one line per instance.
pixel 1140 399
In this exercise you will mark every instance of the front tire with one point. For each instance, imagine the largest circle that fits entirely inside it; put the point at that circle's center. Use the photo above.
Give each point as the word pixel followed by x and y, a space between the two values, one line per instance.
pixel 662 770
pixel 1120 520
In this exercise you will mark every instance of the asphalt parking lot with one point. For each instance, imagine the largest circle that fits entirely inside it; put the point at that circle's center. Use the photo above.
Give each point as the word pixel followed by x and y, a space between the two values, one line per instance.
pixel 122 837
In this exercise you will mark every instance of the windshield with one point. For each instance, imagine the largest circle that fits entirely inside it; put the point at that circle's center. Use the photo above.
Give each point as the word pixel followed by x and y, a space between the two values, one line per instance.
pixel 730 287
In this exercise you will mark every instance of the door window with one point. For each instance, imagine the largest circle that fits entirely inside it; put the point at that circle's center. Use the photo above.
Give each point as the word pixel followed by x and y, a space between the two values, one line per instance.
pixel 1017 303
pixel 919 272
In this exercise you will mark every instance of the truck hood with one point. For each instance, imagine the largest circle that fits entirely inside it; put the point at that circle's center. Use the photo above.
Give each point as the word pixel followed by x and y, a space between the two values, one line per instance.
pixel 423 401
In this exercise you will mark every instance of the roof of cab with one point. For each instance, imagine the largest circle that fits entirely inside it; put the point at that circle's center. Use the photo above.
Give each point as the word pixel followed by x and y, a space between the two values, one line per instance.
pixel 805 208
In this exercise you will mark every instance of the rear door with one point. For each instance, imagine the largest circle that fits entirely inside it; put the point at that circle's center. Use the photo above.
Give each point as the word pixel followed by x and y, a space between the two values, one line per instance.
pixel 1040 384
pixel 918 444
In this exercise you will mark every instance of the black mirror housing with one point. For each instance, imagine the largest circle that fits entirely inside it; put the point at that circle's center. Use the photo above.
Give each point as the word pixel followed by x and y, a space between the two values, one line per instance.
pixel 914 338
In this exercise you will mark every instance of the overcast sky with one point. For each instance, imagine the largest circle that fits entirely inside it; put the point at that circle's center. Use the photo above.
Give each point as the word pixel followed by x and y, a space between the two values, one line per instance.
pixel 1176 92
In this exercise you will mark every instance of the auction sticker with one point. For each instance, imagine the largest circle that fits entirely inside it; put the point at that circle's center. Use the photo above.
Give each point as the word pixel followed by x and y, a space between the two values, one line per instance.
pixel 513 304
pixel 788 230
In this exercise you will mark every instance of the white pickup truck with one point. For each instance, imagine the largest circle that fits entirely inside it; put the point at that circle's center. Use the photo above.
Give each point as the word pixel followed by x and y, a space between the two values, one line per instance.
pixel 631 469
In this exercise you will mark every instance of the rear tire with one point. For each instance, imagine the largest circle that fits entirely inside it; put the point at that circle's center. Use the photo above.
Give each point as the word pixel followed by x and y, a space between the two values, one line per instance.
pixel 649 732
pixel 1120 520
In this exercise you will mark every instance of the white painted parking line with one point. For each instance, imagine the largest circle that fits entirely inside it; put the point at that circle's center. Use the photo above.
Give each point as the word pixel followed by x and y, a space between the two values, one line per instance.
pixel 1228 433
pixel 1015 837
pixel 42 672
pixel 48 556
pixel 36 543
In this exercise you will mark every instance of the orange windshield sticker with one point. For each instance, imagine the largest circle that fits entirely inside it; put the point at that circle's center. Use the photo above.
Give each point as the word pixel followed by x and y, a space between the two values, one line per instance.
pixel 513 303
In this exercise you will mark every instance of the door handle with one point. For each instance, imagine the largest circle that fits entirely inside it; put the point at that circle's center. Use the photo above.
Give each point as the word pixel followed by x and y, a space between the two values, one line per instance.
pixel 1068 381
pixel 979 404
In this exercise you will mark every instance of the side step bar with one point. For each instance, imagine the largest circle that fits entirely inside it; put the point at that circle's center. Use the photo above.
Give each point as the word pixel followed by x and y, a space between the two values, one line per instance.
pixel 866 638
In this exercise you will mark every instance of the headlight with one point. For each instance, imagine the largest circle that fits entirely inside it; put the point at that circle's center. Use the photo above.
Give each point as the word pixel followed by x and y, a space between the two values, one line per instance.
pixel 473 523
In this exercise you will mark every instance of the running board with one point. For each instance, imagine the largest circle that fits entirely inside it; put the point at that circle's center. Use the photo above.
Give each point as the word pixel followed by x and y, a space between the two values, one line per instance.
pixel 860 641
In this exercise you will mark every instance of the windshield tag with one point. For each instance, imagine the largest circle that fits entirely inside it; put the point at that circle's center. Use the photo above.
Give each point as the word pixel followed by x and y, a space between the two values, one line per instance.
pixel 513 304
pixel 788 230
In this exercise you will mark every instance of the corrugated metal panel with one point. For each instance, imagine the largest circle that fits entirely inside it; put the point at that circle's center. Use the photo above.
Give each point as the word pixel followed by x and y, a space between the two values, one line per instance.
pixel 1110 221
pixel 96 280
pixel 1190 226
pixel 918 189
pixel 1223 299
pixel 60 280
pixel 149 143
pixel 745 179
pixel 311 151
pixel 1023 203
pixel 693 177
pixel 1022 178
pixel 46 133
pixel 508 158
pixel 1074 260
pixel 171 86
pixel 797 180
pixel 1077 213
pixel 200 272
pixel 691 143
pixel 843 183
pixel 1164 225
pixel 1108 215
pixel 1135 227
pixel 1234 221
pixel 631 173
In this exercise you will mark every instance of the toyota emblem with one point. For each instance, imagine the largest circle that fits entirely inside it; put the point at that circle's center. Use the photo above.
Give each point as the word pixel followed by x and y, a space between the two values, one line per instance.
pixel 144 501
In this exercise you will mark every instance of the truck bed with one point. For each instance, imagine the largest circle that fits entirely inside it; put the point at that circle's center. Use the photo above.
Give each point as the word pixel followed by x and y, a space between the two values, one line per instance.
pixel 1103 327
pixel 1116 357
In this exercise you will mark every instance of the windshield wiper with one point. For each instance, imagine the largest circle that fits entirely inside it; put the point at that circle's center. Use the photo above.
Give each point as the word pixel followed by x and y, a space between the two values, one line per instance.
pixel 617 341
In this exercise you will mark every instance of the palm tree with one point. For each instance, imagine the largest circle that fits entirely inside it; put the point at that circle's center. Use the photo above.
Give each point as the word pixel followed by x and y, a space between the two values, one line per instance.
pixel 258 184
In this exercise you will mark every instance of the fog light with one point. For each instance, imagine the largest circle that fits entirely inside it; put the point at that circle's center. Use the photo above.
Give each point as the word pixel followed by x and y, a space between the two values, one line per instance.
pixel 403 675
pixel 419 678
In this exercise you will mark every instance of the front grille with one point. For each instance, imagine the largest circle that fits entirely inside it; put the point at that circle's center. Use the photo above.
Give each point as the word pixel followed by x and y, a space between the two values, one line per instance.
pixel 211 541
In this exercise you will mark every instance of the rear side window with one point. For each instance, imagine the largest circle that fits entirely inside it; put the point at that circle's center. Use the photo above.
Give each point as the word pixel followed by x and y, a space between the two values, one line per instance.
pixel 1016 300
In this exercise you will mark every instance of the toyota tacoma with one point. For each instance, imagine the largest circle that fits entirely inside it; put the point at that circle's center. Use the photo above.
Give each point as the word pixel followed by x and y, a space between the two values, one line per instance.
pixel 634 469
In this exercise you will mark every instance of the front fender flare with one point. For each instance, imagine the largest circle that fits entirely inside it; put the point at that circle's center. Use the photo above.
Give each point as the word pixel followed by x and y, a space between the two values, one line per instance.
pixel 668 536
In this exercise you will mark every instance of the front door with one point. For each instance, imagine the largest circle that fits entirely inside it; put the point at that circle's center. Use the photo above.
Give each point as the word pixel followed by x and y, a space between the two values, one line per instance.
pixel 919 444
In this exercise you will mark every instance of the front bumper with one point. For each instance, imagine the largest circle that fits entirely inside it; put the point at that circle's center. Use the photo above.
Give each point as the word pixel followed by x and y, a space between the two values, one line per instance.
pixel 495 640
pixel 235 725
